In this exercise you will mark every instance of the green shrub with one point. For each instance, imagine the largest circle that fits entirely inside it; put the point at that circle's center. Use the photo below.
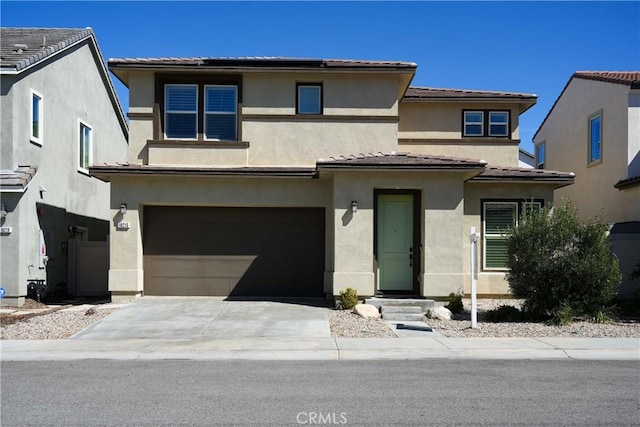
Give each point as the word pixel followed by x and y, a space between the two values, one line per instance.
pixel 602 315
pixel 506 313
pixel 563 315
pixel 556 261
pixel 454 303
pixel 348 298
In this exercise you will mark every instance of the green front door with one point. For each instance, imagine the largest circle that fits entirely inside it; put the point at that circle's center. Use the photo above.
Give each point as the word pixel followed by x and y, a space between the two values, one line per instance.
pixel 395 242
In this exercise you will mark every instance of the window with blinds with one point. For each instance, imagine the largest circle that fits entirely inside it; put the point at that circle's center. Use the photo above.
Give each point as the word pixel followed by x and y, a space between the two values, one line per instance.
pixel 220 112
pixel 499 218
pixel 309 99
pixel 181 111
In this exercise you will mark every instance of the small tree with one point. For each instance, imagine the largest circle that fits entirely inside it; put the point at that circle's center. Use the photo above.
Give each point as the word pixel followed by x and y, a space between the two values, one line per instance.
pixel 556 261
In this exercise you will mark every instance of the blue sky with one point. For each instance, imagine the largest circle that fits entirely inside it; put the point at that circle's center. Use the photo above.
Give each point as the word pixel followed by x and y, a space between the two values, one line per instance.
pixel 531 47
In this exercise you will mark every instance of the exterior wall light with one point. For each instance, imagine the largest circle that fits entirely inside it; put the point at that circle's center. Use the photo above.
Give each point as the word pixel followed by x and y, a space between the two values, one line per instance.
pixel 123 208
pixel 3 211
pixel 354 206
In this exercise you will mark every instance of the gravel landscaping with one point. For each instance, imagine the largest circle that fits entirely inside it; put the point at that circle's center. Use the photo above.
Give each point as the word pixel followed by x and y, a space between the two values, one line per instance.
pixel 38 322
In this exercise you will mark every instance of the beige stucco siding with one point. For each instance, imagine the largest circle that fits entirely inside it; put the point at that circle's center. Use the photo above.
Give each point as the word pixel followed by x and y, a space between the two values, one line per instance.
pixel 343 94
pixel 436 128
pixel 302 143
pixel 566 135
pixel 491 283
pixel 441 229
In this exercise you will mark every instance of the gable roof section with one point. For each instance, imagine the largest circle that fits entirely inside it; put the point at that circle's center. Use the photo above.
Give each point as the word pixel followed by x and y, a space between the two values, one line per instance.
pixel 628 78
pixel 23 48
pixel 395 160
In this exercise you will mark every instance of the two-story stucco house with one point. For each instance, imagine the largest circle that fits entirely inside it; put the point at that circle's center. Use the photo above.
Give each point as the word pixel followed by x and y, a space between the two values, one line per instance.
pixel 593 129
pixel 302 177
pixel 60 113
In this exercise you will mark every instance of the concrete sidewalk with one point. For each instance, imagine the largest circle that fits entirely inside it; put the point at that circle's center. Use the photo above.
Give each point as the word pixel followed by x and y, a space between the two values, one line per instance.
pixel 289 348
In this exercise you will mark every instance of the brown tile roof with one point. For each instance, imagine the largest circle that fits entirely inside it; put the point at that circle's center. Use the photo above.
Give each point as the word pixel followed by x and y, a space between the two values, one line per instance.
pixel 103 171
pixel 17 180
pixel 23 47
pixel 415 93
pixel 400 161
pixel 262 62
pixel 628 182
pixel 497 173
pixel 630 78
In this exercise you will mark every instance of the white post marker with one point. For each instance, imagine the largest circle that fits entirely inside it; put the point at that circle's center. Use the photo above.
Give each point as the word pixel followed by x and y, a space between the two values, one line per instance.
pixel 474 302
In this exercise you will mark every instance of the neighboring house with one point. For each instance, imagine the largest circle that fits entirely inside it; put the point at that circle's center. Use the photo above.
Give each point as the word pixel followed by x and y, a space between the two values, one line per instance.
pixel 593 129
pixel 60 113
pixel 526 159
pixel 281 177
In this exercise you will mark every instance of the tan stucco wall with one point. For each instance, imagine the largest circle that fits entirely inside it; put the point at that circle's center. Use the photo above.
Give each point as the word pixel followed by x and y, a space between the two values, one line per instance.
pixel 436 128
pixel 491 283
pixel 365 106
pixel 441 212
pixel 565 134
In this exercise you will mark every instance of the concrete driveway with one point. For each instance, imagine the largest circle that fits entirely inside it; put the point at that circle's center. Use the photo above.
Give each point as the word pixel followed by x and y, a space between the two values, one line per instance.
pixel 193 318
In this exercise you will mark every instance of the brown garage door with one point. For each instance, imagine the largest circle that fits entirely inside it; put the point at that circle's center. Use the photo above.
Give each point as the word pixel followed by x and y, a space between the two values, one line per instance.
pixel 233 251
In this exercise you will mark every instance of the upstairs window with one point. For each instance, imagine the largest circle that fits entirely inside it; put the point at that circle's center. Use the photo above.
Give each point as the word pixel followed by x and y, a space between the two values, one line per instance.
pixel 309 99
pixel 36 117
pixel 484 123
pixel 500 217
pixel 473 123
pixel 181 111
pixel 540 155
pixel 498 123
pixel 595 138
pixel 220 113
pixel 85 143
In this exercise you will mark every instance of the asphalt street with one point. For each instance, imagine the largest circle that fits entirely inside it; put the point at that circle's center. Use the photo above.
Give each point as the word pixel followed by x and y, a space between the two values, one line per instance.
pixel 395 392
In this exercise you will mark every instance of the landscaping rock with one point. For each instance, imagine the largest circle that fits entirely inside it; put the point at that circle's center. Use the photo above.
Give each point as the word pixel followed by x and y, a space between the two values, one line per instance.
pixel 440 313
pixel 367 311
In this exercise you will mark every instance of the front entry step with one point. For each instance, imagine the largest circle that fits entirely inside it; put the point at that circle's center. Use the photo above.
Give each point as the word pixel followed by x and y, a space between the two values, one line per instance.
pixel 402 309
pixel 402 313
pixel 424 304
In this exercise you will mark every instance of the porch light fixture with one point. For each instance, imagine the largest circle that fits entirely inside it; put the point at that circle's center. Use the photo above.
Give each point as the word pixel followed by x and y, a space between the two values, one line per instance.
pixel 354 206
pixel 3 211
pixel 123 208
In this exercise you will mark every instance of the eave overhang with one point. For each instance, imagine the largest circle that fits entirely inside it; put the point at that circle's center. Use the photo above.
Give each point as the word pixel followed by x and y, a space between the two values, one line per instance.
pixel 493 175
pixel 106 172
pixel 624 184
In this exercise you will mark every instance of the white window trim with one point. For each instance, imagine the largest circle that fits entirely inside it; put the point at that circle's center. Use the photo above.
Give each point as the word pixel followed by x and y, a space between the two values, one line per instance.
pixel 498 123
pixel 485 235
pixel 235 113
pixel 543 144
pixel 597 114
pixel 80 143
pixel 481 123
pixel 36 139
pixel 167 111
pixel 307 85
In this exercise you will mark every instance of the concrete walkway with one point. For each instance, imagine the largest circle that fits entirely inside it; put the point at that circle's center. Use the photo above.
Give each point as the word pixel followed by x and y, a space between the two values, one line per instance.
pixel 323 348
pixel 215 329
